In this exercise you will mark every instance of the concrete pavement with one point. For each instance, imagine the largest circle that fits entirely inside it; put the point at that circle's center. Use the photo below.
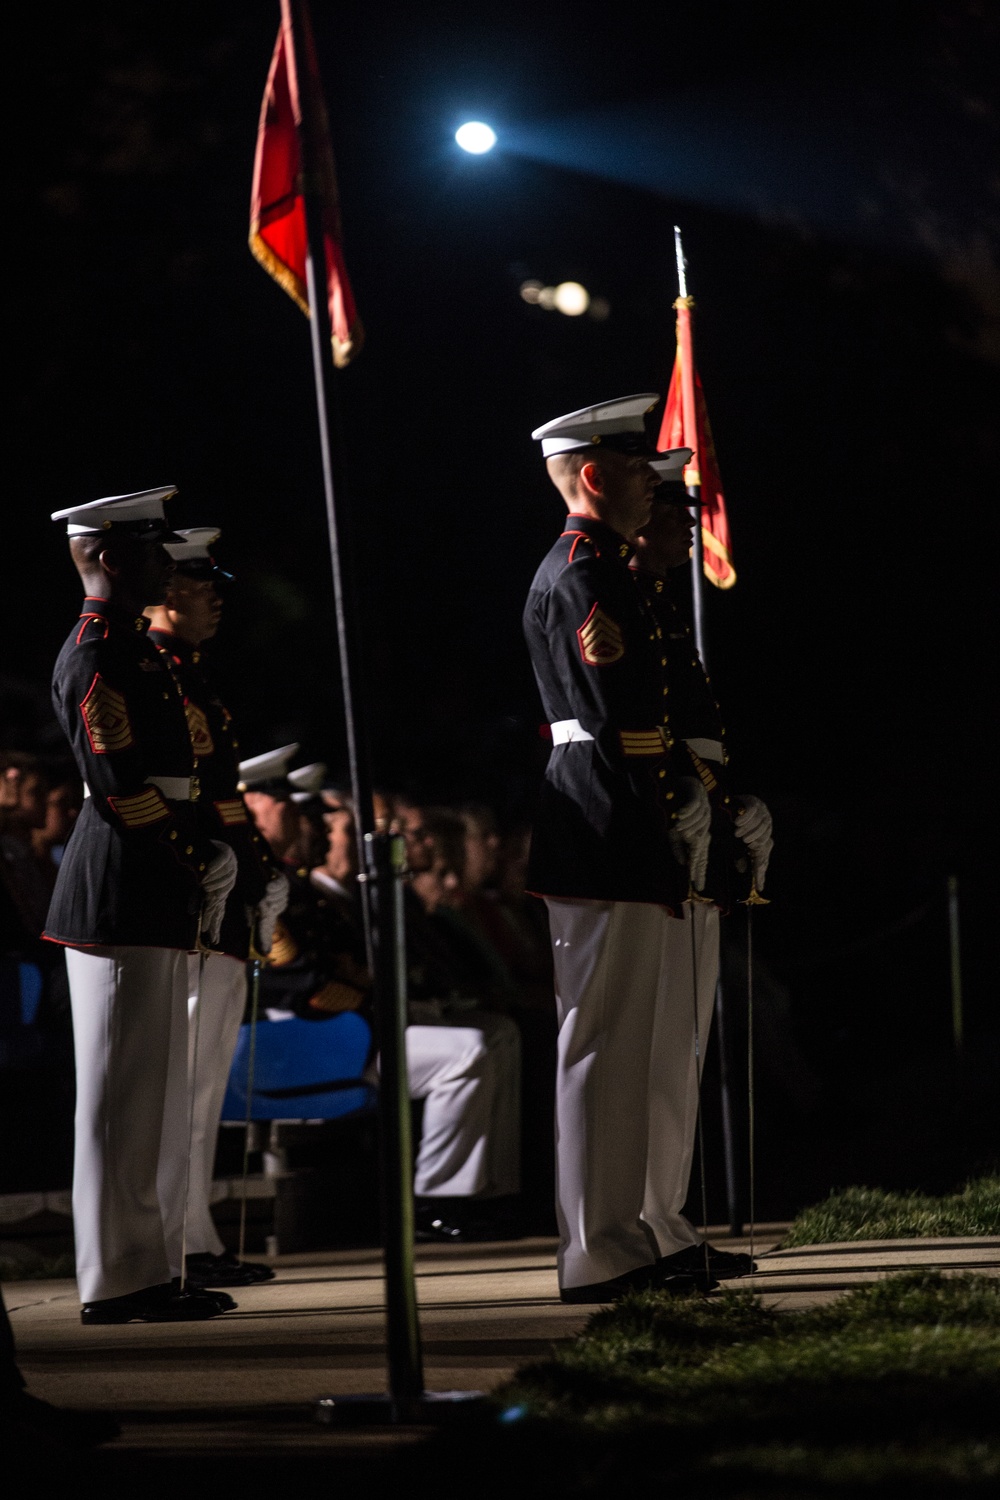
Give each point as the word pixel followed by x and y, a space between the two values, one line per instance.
pixel 244 1383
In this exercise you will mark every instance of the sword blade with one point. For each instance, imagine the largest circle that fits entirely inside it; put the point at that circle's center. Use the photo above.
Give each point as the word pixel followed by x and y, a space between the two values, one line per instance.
pixel 751 1119
pixel 192 1090
pixel 254 1004
pixel 697 1064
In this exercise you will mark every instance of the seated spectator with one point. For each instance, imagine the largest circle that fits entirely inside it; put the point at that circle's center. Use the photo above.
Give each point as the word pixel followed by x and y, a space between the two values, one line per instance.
pixel 23 793
pixel 337 875
pixel 306 783
pixel 461 1061
pixel 62 808
pixel 453 899
pixel 442 953
pixel 34 1000
pixel 519 923
pixel 268 798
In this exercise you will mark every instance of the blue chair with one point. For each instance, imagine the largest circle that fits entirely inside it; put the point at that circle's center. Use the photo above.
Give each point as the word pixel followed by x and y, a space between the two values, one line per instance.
pixel 21 988
pixel 303 1070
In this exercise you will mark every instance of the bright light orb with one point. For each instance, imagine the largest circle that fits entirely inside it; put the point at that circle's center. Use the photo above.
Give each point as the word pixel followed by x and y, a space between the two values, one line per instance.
pixel 571 298
pixel 475 137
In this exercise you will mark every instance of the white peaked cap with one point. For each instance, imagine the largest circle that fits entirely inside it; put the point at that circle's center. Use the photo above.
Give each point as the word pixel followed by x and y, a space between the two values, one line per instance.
pixel 614 420
pixel 195 543
pixel 271 766
pixel 670 464
pixel 306 781
pixel 115 510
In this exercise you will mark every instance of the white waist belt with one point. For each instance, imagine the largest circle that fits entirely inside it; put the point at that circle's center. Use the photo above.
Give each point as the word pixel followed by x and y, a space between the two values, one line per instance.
pixel 707 749
pixel 568 730
pixel 174 788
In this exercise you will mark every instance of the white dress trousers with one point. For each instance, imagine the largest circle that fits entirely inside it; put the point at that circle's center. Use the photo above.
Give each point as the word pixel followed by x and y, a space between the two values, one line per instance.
pixel 627 1082
pixel 466 1065
pixel 216 997
pixel 130 1039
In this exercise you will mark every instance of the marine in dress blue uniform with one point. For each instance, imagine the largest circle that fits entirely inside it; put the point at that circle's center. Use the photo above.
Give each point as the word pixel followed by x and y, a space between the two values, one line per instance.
pixel 140 878
pixel 741 825
pixel 216 981
pixel 620 837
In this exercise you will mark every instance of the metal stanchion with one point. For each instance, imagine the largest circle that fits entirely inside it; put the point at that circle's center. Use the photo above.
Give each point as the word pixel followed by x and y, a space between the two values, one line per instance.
pixel 386 862
pixel 406 1400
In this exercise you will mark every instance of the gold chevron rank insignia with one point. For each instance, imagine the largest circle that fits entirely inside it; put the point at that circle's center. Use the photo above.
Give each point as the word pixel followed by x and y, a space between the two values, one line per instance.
pixel 231 811
pixel 601 641
pixel 105 716
pixel 201 736
pixel 141 811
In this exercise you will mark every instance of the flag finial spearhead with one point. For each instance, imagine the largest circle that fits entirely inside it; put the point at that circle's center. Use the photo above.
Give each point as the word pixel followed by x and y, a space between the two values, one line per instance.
pixel 681 262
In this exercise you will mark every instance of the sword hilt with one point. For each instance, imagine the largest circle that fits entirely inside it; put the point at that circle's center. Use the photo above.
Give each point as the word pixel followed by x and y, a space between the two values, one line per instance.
pixel 755 898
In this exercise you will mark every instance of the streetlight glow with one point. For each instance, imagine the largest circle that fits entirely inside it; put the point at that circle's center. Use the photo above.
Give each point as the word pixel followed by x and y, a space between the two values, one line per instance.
pixel 475 137
pixel 571 298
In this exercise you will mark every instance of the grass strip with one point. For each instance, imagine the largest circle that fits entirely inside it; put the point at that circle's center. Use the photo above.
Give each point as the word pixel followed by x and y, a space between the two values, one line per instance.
pixel 861 1213
pixel 894 1388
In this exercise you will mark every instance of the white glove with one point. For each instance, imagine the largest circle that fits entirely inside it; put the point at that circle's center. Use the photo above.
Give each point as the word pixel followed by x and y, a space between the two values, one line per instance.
pixel 753 827
pixel 691 832
pixel 268 909
pixel 216 884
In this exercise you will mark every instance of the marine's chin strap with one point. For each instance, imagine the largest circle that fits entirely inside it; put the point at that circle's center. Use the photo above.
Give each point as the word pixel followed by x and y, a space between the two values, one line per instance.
pixel 256 964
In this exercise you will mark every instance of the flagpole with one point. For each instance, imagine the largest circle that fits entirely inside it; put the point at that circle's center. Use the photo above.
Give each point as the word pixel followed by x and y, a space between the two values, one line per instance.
pixel 684 305
pixel 382 861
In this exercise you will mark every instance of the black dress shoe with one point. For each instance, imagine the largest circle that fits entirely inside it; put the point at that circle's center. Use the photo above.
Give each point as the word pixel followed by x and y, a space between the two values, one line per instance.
pixel 155 1304
pixel 432 1224
pixel 222 1300
pixel 207 1270
pixel 643 1278
pixel 722 1264
pixel 461 1220
pixel 491 1219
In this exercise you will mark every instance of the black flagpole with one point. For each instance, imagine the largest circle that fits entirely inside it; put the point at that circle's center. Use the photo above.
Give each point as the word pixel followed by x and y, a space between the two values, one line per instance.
pixel 382 853
pixel 698 611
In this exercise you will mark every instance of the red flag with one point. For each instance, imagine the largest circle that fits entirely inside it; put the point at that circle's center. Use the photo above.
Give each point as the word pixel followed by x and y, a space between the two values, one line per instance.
pixel 277 207
pixel 685 425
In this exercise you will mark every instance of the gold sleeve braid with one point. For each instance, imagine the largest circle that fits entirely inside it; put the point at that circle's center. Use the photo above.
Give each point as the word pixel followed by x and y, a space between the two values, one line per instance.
pixel 141 811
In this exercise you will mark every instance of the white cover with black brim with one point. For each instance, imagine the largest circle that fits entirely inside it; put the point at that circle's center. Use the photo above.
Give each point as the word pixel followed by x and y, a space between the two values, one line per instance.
pixel 591 425
pixel 671 463
pixel 270 767
pixel 195 544
pixel 307 781
pixel 113 510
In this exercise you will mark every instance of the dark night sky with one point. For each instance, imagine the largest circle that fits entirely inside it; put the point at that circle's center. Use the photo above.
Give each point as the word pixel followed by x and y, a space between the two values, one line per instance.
pixel 834 171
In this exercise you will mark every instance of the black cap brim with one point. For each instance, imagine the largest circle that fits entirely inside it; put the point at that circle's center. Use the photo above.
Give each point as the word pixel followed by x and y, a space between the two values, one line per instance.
pixel 202 568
